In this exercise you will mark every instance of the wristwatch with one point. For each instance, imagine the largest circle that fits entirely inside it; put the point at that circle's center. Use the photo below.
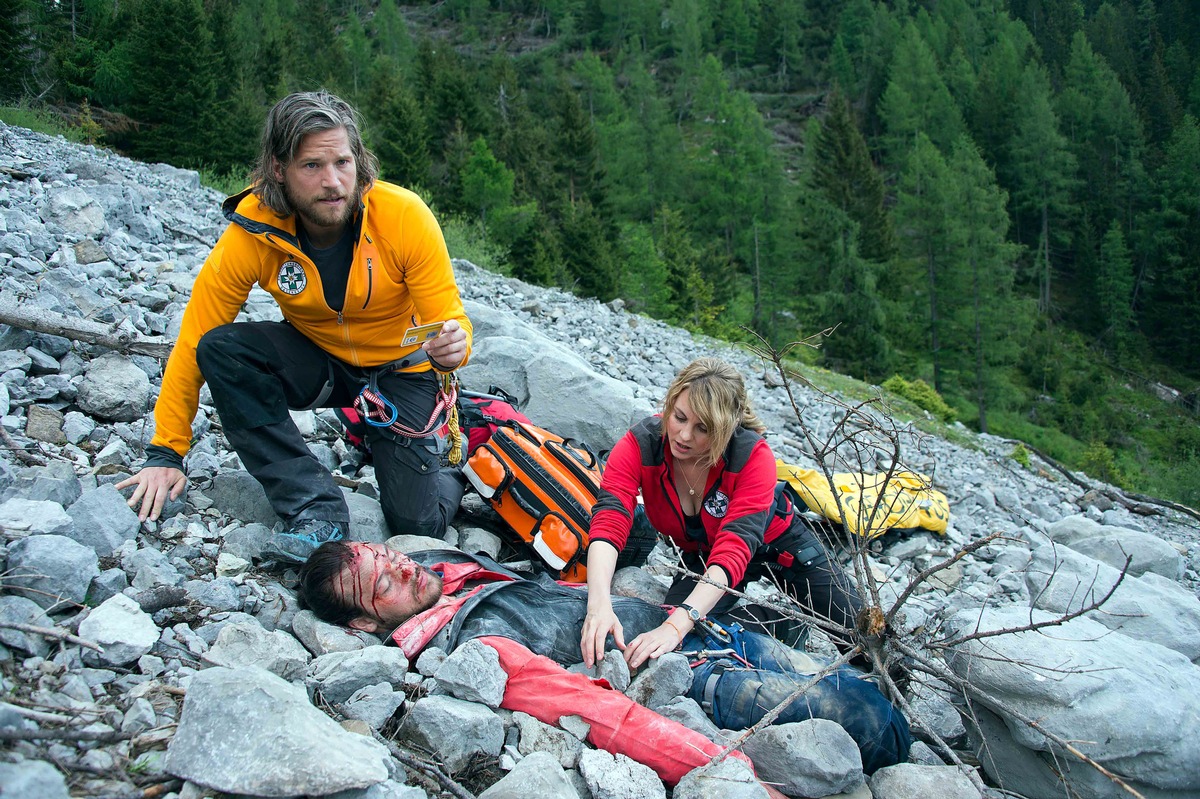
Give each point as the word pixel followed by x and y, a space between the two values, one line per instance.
pixel 692 613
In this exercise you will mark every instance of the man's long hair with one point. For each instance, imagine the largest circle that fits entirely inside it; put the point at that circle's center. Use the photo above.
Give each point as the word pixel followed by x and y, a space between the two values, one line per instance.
pixel 316 583
pixel 288 122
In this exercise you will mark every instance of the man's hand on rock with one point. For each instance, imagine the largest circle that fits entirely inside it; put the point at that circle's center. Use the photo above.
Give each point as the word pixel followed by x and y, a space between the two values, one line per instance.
pixel 154 486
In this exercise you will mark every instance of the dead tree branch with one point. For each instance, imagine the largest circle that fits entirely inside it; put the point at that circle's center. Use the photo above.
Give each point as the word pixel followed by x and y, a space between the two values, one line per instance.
pixel 425 767
pixel 40 320
pixel 934 569
pixel 990 701
pixel 1038 625
pixel 23 455
pixel 52 632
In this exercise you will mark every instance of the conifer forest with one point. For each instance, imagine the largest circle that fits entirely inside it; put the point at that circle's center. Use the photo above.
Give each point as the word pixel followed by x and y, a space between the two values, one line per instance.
pixel 999 198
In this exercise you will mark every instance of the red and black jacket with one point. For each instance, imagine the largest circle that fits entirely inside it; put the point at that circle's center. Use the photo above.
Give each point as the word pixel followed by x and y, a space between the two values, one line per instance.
pixel 741 510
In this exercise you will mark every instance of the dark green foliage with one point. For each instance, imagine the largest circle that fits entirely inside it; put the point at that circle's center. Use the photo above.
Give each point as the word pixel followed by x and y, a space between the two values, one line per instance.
pixel 397 132
pixel 844 172
pixel 922 395
pixel 1114 287
pixel 16 52
pixel 174 88
pixel 587 253
pixel 1171 315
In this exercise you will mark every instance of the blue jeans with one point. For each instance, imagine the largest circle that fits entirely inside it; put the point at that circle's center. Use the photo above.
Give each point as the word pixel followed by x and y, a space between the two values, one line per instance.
pixel 737 695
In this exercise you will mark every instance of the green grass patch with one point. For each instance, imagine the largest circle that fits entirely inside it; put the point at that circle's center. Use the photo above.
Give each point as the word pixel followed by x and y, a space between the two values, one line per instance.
pixel 41 120
pixel 229 182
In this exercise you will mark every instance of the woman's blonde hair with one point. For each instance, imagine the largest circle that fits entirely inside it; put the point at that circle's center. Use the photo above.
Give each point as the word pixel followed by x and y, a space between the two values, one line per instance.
pixel 717 395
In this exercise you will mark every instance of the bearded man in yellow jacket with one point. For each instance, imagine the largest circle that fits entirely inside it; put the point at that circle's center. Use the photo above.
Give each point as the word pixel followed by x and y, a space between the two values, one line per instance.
pixel 353 263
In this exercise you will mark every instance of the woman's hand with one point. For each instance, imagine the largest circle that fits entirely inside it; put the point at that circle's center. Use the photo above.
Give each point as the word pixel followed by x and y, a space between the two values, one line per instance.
pixel 653 643
pixel 597 624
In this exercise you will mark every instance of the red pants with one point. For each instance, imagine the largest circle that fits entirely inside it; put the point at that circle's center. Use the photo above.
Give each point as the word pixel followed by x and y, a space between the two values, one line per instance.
pixel 545 690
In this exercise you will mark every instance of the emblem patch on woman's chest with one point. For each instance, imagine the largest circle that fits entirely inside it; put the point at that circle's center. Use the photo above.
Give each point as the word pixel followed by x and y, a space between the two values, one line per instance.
pixel 291 278
pixel 717 504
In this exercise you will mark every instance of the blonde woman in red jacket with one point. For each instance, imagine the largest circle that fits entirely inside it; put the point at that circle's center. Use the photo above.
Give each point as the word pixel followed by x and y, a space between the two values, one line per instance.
pixel 708 481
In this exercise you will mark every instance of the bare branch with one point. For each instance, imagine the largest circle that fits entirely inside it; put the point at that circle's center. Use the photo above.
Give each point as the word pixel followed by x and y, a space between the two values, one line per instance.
pixel 425 767
pixel 934 569
pixel 52 632
pixel 41 320
pixel 991 701
pixel 21 454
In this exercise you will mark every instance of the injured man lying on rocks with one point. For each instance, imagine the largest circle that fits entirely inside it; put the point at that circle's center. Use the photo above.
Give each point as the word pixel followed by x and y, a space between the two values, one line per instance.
pixel 445 598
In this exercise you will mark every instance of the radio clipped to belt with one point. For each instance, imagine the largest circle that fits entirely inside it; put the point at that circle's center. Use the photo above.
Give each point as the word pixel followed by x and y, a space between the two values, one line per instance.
pixel 378 411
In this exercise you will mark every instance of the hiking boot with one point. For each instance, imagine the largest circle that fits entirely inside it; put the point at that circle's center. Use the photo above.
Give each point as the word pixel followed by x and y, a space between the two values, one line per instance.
pixel 295 544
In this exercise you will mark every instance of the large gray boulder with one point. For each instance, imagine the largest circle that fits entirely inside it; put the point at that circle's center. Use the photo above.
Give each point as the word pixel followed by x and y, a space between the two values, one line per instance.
pixel 103 520
pixel 114 389
pixel 815 757
pixel 536 775
pixel 453 730
pixel 247 644
pixel 122 628
pixel 248 731
pixel 1150 608
pixel 1104 691
pixel 727 779
pixel 52 570
pixel 35 517
pixel 556 388
pixel 1112 545
pixel 915 781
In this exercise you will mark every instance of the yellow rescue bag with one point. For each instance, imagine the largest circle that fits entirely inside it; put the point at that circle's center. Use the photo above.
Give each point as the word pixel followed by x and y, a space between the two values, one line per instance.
pixel 909 500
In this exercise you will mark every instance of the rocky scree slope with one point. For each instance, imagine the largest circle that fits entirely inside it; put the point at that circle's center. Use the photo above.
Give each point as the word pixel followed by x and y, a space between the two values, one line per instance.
pixel 162 611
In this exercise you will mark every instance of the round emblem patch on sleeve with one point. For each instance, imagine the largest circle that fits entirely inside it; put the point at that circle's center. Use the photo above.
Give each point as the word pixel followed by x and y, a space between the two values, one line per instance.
pixel 291 278
pixel 717 504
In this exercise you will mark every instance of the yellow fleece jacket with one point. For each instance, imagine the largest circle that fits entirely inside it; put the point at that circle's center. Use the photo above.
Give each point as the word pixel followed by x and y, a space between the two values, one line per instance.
pixel 400 277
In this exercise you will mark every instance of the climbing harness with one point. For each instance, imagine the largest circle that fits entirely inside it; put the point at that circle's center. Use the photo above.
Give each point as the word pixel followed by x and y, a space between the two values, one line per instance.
pixel 378 411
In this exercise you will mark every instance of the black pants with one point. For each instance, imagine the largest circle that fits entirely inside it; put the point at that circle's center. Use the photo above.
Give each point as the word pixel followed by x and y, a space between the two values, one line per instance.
pixel 257 371
pixel 799 564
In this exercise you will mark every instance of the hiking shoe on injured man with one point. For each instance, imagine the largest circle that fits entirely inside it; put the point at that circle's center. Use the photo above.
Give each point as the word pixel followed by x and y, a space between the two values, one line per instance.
pixel 295 544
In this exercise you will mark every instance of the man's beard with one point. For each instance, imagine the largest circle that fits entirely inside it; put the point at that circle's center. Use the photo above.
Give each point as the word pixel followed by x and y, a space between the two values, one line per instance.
pixel 312 210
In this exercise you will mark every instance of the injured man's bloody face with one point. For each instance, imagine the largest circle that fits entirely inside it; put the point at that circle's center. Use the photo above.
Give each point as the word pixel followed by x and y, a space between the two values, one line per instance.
pixel 387 586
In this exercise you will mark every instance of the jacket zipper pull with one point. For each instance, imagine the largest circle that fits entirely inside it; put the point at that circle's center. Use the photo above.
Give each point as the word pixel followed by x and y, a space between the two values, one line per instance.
pixel 339 317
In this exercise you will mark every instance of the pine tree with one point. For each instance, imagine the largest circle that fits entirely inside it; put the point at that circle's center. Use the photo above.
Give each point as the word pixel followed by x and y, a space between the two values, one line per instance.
pixel 576 153
pixel 859 345
pixel 397 131
pixel 1106 138
pixel 487 184
pixel 847 176
pixel 1041 171
pixel 357 77
pixel 924 206
pixel 389 35
pixel 587 253
pixel 690 295
pixel 16 56
pixel 990 326
pixel 916 101
pixel 1114 287
pixel 175 91
pixel 644 288
pixel 1170 312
